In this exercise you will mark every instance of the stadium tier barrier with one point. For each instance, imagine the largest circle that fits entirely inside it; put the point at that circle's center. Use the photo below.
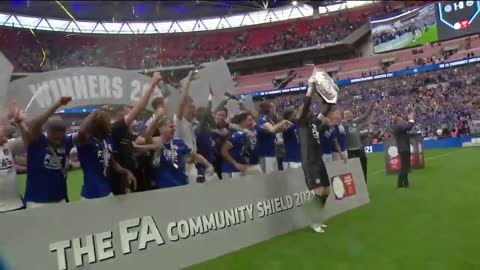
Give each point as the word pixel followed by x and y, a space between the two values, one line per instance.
pixel 175 227
pixel 428 144
pixel 387 75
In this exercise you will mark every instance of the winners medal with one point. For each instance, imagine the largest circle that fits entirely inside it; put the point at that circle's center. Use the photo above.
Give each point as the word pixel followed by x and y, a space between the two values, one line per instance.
pixel 172 156
pixel 325 86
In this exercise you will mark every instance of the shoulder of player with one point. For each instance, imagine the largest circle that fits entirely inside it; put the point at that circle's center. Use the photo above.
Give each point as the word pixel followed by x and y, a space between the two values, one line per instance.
pixel 263 119
pixel 178 141
pixel 119 127
pixel 238 133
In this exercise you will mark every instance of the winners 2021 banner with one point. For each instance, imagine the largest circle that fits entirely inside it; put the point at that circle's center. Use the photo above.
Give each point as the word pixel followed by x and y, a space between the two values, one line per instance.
pixel 89 86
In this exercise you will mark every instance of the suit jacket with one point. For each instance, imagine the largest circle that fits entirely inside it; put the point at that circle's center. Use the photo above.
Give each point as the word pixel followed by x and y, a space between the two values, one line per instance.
pixel 400 132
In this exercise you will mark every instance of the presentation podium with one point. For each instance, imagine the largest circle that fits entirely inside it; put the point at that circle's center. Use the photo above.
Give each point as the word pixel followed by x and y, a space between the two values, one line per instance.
pixel 392 157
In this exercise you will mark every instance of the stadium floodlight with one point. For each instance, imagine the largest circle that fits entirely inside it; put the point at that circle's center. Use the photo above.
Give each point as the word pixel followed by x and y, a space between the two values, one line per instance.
pixel 294 3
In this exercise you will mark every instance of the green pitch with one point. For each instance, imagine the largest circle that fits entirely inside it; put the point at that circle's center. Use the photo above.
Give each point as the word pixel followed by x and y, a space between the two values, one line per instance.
pixel 433 225
pixel 429 36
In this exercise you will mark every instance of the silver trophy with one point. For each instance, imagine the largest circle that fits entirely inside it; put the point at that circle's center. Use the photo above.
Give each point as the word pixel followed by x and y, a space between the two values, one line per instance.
pixel 325 86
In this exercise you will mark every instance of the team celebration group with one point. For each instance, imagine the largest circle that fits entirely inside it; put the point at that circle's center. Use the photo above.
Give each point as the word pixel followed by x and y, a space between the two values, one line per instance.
pixel 191 145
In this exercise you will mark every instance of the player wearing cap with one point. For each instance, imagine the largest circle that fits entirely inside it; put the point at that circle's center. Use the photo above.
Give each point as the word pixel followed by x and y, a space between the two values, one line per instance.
pixel 47 156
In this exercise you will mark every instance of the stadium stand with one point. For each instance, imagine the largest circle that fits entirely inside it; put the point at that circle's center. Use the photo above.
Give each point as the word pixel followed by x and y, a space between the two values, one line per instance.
pixel 441 98
pixel 358 67
pixel 143 52
pixel 134 52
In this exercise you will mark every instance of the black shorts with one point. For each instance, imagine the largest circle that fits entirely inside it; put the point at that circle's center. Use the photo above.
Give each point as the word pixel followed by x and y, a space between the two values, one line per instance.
pixel 316 174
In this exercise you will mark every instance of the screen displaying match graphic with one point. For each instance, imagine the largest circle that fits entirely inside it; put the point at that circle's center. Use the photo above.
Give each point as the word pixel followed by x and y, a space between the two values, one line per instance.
pixel 457 18
pixel 440 21
pixel 409 29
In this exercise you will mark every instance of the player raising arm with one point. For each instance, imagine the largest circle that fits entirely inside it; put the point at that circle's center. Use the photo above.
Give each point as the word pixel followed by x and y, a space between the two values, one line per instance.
pixel 239 151
pixel 170 154
pixel 122 138
pixel 310 131
pixel 267 136
pixel 47 155
pixel 9 197
pixel 94 146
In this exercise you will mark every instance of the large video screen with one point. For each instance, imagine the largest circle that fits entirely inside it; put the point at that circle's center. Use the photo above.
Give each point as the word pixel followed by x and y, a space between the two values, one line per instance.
pixel 457 18
pixel 409 29
pixel 440 21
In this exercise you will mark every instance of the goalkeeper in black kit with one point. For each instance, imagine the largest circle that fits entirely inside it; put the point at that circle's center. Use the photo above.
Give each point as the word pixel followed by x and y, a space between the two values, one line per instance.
pixel 310 129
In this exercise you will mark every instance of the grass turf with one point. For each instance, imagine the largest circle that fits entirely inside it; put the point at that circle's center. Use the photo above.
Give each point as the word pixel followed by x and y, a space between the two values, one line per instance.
pixel 432 225
pixel 427 37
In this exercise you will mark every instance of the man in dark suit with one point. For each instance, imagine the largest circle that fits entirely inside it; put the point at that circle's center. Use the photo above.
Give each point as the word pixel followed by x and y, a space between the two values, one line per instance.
pixel 400 131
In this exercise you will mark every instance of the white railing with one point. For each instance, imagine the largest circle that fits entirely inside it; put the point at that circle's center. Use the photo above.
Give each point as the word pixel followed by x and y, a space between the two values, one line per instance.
pixel 163 27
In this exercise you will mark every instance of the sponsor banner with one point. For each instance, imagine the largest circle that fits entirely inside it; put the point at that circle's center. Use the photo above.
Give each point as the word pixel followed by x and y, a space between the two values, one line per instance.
pixel 419 157
pixel 392 157
pixel 172 228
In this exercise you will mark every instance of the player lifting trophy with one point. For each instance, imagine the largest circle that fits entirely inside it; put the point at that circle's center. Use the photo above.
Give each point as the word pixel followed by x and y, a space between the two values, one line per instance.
pixel 311 127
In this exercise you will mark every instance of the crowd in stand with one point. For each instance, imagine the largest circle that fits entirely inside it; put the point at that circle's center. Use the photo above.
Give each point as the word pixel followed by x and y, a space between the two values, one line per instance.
pixel 439 98
pixel 144 52
pixel 392 34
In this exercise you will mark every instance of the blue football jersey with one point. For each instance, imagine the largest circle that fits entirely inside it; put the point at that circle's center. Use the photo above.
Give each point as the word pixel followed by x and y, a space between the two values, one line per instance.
pixel 266 140
pixel 342 136
pixel 94 158
pixel 47 170
pixel 244 150
pixel 291 144
pixel 170 164
pixel 327 140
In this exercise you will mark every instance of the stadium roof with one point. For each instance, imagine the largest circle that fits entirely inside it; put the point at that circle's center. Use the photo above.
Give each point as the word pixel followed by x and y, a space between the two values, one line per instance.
pixel 142 10
pixel 108 26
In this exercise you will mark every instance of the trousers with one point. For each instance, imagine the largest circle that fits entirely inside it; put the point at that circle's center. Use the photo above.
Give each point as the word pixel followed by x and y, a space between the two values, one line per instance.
pixel 404 169
pixel 360 153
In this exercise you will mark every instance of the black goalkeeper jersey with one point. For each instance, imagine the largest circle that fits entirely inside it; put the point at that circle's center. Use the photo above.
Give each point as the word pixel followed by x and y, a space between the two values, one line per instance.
pixel 309 132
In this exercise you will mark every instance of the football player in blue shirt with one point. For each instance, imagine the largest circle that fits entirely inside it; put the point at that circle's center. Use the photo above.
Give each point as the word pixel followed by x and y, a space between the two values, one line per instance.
pixel 336 119
pixel 94 147
pixel 267 136
pixel 330 145
pixel 240 150
pixel 171 153
pixel 47 156
pixel 291 143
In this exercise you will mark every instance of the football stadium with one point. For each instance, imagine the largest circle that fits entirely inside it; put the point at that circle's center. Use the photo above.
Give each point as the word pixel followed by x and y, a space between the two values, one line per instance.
pixel 239 134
